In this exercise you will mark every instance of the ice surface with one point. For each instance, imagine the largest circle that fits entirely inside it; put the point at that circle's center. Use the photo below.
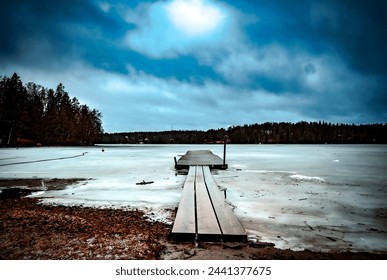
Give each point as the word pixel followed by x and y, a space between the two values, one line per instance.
pixel 318 197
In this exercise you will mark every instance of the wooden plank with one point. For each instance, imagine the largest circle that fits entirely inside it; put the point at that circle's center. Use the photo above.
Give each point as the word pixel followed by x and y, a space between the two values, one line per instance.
pixel 229 224
pixel 203 213
pixel 199 157
pixel 184 226
pixel 207 224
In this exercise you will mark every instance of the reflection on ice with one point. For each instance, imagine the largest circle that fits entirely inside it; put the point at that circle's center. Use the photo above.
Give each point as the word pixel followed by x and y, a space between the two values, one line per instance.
pixel 317 197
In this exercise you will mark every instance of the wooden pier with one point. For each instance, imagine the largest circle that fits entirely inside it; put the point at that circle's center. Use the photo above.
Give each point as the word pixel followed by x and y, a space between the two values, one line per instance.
pixel 200 157
pixel 203 214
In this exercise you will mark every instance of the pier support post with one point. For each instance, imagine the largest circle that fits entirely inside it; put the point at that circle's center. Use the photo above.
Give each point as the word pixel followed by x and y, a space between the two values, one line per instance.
pixel 224 151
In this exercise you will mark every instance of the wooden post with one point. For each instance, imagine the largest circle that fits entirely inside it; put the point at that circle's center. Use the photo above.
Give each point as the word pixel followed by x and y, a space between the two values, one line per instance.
pixel 224 151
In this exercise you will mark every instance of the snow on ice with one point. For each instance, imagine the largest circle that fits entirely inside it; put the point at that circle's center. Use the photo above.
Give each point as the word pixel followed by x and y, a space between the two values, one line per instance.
pixel 317 197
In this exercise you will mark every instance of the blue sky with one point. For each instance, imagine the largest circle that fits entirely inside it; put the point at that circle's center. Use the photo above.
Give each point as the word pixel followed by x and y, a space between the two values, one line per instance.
pixel 200 64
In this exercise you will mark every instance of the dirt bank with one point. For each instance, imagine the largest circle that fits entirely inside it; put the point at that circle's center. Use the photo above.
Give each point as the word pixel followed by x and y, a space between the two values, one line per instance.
pixel 31 230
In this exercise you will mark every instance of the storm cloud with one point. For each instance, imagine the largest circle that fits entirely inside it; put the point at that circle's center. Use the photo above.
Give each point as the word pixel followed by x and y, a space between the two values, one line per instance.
pixel 200 64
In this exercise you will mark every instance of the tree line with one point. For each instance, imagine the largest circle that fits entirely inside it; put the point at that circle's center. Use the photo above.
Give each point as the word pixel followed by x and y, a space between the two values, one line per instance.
pixel 31 114
pixel 265 133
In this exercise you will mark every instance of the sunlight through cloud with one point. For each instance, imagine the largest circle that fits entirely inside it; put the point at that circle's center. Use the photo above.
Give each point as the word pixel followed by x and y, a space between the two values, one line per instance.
pixel 195 17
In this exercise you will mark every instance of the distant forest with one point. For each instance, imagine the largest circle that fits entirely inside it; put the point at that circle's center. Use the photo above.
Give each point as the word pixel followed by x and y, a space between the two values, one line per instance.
pixel 33 115
pixel 266 133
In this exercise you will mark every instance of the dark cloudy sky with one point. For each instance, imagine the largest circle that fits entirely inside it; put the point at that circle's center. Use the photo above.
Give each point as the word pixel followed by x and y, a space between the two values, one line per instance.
pixel 200 64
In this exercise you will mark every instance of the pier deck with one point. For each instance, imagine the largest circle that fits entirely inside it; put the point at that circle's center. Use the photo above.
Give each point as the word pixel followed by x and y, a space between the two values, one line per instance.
pixel 203 214
pixel 200 157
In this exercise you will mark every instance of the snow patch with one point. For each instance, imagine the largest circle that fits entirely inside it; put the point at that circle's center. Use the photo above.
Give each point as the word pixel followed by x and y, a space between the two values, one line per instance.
pixel 160 215
pixel 299 177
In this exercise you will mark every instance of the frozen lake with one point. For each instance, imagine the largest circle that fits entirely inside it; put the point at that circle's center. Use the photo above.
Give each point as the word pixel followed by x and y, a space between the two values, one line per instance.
pixel 317 197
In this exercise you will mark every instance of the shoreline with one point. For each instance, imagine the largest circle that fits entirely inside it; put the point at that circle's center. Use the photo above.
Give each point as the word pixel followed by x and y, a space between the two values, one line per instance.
pixel 76 233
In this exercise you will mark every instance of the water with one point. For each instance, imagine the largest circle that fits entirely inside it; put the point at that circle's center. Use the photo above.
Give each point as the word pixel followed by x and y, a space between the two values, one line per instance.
pixel 318 197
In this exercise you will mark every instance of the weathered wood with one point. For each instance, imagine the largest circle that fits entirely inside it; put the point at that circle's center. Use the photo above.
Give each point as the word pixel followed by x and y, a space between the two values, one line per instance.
pixel 229 224
pixel 184 227
pixel 207 223
pixel 144 183
pixel 203 214
pixel 200 157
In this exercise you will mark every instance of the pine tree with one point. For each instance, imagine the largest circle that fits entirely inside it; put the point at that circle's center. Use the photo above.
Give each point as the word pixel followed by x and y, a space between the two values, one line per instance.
pixel 33 114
